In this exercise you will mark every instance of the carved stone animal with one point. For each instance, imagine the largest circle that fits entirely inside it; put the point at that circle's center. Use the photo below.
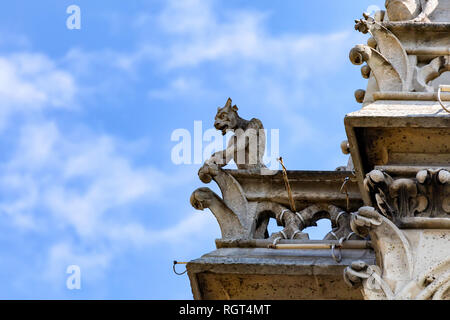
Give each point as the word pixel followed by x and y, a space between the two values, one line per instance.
pixel 410 10
pixel 246 147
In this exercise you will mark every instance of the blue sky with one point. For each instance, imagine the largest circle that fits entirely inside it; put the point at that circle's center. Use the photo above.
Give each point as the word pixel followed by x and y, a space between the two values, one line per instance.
pixel 86 118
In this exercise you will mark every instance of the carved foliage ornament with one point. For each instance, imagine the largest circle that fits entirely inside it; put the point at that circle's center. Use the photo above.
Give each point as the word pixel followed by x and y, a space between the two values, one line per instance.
pixel 386 57
pixel 428 195
pixel 395 277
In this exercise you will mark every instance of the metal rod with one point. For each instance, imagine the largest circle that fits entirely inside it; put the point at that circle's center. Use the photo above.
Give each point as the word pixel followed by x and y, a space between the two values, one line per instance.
pixel 318 246
pixel 410 96
pixel 175 271
pixel 287 185
pixel 344 187
pixel 293 244
pixel 443 88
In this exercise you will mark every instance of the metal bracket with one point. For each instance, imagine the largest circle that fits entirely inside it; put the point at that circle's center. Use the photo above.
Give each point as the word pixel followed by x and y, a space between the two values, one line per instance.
pixel 174 270
pixel 443 88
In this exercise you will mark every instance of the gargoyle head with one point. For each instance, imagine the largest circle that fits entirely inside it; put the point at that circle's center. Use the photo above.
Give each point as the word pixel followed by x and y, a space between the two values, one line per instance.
pixel 201 198
pixel 362 25
pixel 226 117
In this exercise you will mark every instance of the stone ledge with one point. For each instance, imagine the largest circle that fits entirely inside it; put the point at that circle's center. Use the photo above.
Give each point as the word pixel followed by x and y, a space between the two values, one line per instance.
pixel 259 273
pixel 410 96
pixel 406 26
pixel 308 187
pixel 264 243
pixel 397 134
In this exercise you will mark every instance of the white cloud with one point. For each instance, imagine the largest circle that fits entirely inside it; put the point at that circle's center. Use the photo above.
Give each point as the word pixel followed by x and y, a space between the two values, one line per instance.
pixel 84 184
pixel 83 62
pixel 182 86
pixel 78 177
pixel 200 35
pixel 189 16
pixel 187 231
pixel 31 82
pixel 73 183
pixel 93 260
pixel 63 254
pixel 193 32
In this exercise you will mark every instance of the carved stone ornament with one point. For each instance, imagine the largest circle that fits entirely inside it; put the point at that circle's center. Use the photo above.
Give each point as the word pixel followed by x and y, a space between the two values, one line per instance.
pixel 404 271
pixel 396 66
pixel 410 10
pixel 386 56
pixel 425 196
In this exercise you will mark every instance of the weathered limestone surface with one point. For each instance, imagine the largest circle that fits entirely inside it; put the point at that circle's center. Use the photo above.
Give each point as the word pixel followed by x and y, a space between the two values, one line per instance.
pixel 389 207
pixel 411 264
pixel 418 10
pixel 254 199
pixel 261 273
pixel 400 145
pixel 398 137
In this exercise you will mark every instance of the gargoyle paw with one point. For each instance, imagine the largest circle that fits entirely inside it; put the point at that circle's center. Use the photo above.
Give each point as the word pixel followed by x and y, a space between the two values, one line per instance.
pixel 207 172
pixel 365 219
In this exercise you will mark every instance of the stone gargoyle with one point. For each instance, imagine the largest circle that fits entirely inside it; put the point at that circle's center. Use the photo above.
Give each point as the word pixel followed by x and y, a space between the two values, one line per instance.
pixel 246 147
pixel 240 218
